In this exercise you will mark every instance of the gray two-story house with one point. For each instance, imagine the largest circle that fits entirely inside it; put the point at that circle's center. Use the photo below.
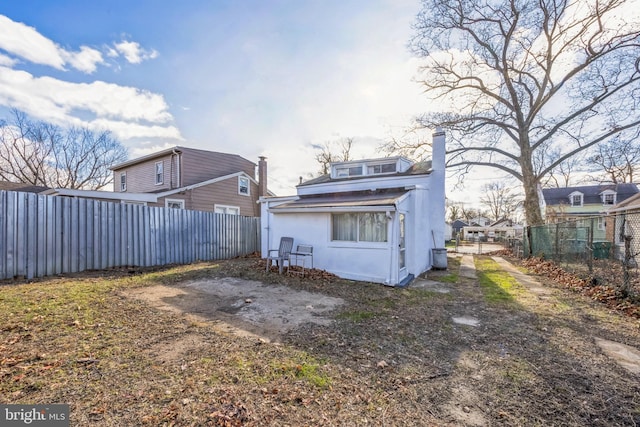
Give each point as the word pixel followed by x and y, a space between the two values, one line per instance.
pixel 188 178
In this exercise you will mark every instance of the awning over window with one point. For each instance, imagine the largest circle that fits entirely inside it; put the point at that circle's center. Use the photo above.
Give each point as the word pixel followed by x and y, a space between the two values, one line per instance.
pixel 369 201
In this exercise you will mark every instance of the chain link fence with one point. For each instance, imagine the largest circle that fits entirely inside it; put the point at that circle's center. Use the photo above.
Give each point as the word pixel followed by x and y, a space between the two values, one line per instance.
pixel 602 249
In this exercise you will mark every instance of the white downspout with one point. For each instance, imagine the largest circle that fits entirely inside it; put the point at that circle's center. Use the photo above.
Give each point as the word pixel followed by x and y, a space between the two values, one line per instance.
pixel 177 154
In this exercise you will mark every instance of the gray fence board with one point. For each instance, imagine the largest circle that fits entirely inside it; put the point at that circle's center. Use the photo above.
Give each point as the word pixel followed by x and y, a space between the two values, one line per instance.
pixel 48 235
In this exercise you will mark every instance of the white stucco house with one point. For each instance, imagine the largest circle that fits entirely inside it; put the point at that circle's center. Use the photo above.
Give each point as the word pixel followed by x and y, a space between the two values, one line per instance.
pixel 373 220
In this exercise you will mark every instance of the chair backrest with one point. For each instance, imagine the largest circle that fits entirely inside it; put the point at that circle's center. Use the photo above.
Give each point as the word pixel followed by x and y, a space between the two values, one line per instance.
pixel 286 245
pixel 304 249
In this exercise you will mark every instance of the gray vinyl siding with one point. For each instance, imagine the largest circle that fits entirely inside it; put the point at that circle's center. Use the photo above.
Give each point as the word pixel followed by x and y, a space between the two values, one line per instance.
pixel 196 166
pixel 200 165
pixel 141 177
pixel 220 193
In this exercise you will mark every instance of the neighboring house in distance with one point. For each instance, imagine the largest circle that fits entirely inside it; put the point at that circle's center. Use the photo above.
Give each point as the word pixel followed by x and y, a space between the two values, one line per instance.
pixel 498 230
pixel 21 186
pixel 480 221
pixel 571 203
pixel 188 178
pixel 374 220
pixel 624 221
pixel 457 226
pixel 588 201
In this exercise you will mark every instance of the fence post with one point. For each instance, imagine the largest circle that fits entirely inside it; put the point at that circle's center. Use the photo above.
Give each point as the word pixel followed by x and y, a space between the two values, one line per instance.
pixel 557 245
pixel 590 246
pixel 626 282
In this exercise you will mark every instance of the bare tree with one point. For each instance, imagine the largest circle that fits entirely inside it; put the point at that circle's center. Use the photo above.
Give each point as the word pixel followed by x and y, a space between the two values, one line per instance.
pixel 500 200
pixel 40 153
pixel 455 210
pixel 616 161
pixel 328 153
pixel 528 84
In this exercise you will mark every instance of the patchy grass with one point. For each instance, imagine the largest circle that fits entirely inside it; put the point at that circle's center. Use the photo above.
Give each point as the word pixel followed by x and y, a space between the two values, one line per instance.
pixel 393 357
pixel 497 285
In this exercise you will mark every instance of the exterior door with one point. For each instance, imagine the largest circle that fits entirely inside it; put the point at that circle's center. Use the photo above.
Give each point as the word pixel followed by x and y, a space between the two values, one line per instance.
pixel 402 268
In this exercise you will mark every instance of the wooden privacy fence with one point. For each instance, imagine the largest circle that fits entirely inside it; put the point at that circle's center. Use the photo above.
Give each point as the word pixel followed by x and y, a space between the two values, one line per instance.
pixel 47 235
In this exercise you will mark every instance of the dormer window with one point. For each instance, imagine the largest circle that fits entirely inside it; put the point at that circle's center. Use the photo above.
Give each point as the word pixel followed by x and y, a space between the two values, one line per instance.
pixel 381 168
pixel 369 167
pixel 344 172
pixel 608 198
pixel 576 199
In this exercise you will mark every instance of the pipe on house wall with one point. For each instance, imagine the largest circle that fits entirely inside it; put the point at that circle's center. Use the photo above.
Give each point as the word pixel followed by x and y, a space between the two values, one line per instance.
pixel 177 154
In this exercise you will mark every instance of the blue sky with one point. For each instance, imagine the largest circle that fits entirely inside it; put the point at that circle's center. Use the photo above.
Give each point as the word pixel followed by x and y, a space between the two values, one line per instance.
pixel 270 78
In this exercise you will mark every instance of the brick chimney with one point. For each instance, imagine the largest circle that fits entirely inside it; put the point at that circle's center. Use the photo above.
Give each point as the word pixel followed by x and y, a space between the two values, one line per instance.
pixel 262 176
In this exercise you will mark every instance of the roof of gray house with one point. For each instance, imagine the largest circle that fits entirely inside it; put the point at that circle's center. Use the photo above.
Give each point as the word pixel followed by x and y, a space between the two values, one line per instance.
pixel 178 149
pixel 21 186
pixel 420 168
pixel 458 224
pixel 591 193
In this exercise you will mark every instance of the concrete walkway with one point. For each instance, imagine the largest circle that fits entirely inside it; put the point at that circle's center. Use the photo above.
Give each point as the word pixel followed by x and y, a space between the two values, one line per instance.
pixel 626 356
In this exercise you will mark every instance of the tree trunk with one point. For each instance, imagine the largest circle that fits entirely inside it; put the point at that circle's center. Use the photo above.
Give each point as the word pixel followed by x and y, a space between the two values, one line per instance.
pixel 530 183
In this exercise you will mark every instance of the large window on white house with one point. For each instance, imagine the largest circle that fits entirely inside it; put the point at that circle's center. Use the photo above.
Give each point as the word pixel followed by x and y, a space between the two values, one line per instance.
pixel 359 227
pixel 243 185
pixel 159 173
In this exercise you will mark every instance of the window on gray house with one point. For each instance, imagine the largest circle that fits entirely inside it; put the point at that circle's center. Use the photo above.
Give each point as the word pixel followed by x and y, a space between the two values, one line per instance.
pixel 123 181
pixel 243 185
pixel 159 173
pixel 609 199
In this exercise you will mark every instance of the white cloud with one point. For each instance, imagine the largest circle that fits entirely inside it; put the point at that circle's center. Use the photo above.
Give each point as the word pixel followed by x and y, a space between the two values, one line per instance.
pixel 6 61
pixel 27 43
pixel 24 41
pixel 86 60
pixel 133 52
pixel 127 111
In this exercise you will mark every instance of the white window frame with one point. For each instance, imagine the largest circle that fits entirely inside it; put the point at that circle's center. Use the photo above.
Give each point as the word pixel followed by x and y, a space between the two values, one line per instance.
pixel 349 170
pixel 242 179
pixel 612 195
pixel 372 166
pixel 159 172
pixel 180 202
pixel 123 181
pixel 577 194
pixel 358 238
pixel 226 209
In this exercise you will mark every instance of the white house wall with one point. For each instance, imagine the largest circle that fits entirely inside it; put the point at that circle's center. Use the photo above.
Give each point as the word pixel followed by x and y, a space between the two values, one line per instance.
pixel 366 261
pixel 349 260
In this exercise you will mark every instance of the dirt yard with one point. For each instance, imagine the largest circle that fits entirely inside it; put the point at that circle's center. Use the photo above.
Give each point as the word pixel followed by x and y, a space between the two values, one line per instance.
pixel 227 344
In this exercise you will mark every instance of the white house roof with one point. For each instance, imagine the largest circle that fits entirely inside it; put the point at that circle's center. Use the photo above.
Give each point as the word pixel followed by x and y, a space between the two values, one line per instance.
pixel 371 201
